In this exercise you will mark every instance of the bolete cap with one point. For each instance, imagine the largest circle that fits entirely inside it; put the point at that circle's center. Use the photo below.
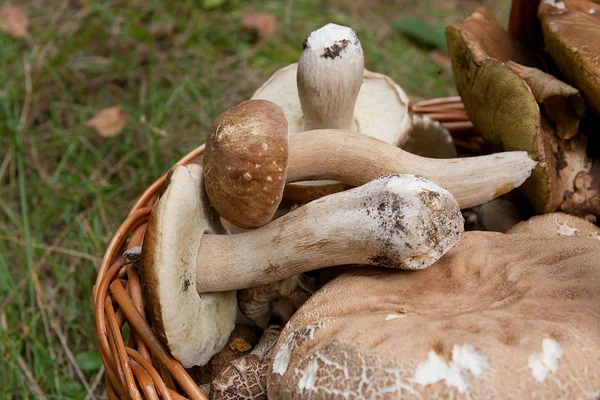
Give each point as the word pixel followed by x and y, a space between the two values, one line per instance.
pixel 498 317
pixel 572 36
pixel 245 162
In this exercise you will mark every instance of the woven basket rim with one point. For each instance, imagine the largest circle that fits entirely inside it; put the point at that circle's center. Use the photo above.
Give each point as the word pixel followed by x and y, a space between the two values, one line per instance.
pixel 143 365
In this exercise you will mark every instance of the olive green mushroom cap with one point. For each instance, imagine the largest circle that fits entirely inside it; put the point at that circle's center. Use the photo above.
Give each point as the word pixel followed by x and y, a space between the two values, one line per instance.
pixel 509 102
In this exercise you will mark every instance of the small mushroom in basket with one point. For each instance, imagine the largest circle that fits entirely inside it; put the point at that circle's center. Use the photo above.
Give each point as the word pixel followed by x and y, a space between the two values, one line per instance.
pixel 499 316
pixel 241 341
pixel 400 221
pixel 248 160
pixel 246 376
pixel 430 139
pixel 280 299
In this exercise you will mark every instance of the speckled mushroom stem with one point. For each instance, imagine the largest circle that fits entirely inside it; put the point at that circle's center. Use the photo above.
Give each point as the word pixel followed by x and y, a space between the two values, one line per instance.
pixel 398 221
pixel 330 74
pixel 356 159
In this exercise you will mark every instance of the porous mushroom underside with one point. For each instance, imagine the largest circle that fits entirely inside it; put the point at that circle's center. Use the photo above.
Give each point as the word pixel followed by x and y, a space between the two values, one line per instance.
pixel 499 316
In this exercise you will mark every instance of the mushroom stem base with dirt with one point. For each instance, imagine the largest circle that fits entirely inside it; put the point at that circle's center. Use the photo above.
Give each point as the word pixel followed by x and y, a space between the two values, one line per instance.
pixel 398 221
pixel 356 159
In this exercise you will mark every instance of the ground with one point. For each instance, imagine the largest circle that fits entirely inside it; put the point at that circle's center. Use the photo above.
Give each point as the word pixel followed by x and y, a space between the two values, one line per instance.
pixel 172 67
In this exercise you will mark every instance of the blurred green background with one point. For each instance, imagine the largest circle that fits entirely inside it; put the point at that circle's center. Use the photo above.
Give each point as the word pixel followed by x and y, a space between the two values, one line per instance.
pixel 172 67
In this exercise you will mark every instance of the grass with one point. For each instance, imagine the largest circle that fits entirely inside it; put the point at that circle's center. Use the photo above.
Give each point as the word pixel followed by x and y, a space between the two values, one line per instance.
pixel 64 190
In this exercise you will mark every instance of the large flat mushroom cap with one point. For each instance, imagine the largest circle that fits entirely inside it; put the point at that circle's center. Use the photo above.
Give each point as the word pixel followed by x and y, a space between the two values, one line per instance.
pixel 381 111
pixel 193 327
pixel 498 317
pixel 572 37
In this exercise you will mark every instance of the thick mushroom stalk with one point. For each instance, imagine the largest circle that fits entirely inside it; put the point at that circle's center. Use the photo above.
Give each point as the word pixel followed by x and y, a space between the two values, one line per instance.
pixel 248 161
pixel 323 154
pixel 397 221
pixel 330 73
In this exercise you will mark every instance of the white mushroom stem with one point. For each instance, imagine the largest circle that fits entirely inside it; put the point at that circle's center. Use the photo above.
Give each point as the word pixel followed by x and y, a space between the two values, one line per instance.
pixel 356 159
pixel 330 73
pixel 397 221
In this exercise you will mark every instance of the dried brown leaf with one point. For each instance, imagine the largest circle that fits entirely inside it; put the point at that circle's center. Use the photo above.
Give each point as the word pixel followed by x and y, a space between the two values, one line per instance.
pixel 13 21
pixel 162 29
pixel 263 23
pixel 109 122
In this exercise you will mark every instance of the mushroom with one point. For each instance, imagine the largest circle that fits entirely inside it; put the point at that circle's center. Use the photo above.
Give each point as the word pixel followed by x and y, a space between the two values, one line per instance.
pixel 240 342
pixel 430 139
pixel 571 32
pixel 244 180
pixel 499 316
pixel 503 100
pixel 246 376
pixel 399 221
pixel 279 299
pixel 498 215
pixel 194 328
pixel 329 88
pixel 557 224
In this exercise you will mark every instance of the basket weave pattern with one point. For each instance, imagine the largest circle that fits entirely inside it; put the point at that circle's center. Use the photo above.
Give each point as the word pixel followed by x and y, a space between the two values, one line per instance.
pixel 143 365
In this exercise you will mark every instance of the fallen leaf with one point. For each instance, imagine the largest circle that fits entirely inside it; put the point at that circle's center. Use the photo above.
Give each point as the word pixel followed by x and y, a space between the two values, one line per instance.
pixel 109 122
pixel 263 23
pixel 13 21
pixel 162 29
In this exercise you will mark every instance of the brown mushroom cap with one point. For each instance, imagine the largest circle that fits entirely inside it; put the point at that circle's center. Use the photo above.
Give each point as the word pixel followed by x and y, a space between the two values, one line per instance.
pixel 572 36
pixel 503 100
pixel 500 316
pixel 245 162
pixel 556 225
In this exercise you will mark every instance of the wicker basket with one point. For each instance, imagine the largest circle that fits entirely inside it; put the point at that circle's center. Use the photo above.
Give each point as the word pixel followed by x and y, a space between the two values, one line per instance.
pixel 143 365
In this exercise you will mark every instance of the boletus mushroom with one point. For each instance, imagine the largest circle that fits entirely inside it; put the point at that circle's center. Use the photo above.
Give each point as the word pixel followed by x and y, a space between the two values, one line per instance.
pixel 248 160
pixel 397 221
pixel 246 376
pixel 400 221
pixel 499 316
pixel 521 108
pixel 330 89
pixel 430 139
pixel 571 30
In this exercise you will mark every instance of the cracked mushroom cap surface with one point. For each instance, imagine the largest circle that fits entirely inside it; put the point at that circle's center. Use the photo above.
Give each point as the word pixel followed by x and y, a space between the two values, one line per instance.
pixel 499 316
pixel 245 162
pixel 571 32
pixel 193 327
pixel 510 104
pixel 556 225
pixel 387 119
